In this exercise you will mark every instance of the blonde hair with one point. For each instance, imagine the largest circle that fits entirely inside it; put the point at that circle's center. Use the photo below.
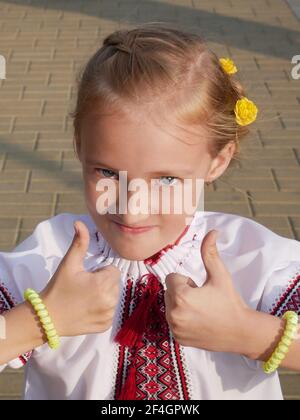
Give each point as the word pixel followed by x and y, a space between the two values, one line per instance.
pixel 160 66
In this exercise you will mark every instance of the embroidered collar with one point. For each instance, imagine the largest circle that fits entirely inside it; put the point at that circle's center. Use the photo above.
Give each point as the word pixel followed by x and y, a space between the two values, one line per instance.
pixel 165 261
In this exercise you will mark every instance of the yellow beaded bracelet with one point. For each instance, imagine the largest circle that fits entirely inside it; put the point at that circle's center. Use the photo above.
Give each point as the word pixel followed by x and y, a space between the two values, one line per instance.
pixel 33 297
pixel 282 348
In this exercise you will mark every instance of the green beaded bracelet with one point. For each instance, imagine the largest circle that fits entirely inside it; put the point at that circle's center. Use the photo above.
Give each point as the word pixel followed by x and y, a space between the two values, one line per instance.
pixel 283 346
pixel 32 296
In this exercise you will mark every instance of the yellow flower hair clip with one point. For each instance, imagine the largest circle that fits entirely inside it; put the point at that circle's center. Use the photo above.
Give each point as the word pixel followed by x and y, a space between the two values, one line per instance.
pixel 245 111
pixel 228 65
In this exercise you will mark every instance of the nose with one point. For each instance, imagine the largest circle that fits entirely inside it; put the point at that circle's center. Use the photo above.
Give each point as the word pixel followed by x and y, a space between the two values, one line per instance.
pixel 135 212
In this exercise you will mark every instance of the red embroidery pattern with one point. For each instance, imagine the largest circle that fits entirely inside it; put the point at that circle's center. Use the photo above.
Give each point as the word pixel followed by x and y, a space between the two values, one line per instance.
pixel 156 377
pixel 290 300
pixel 7 301
pixel 157 256
pixel 25 357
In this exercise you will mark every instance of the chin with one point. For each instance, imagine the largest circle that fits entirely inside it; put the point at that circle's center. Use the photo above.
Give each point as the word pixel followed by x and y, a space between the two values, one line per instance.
pixel 132 255
pixel 130 251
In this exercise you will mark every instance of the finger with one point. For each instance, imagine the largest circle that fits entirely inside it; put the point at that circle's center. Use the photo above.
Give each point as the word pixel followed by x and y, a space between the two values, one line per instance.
pixel 112 272
pixel 214 266
pixel 79 246
pixel 191 282
pixel 175 281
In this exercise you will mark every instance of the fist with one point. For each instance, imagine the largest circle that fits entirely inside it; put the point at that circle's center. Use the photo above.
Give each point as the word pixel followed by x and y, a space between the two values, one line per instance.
pixel 81 302
pixel 210 317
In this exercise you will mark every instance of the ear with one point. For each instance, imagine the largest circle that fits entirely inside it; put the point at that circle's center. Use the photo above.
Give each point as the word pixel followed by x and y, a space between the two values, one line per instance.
pixel 220 163
pixel 76 146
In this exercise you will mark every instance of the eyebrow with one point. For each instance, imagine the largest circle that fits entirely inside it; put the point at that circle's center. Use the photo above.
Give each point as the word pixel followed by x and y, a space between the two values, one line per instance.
pixel 160 172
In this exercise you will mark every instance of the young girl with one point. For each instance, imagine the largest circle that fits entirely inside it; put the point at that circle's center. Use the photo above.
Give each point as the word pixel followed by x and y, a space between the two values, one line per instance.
pixel 146 306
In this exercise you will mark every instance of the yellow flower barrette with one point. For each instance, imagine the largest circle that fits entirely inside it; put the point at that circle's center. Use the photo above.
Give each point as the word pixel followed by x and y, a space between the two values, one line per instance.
pixel 228 65
pixel 245 110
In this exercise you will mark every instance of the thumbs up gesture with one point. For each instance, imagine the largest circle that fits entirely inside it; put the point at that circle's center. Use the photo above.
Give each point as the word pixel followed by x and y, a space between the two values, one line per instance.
pixel 210 317
pixel 81 302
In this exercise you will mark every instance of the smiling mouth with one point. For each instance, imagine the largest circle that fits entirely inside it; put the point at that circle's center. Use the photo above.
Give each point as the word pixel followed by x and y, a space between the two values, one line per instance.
pixel 129 229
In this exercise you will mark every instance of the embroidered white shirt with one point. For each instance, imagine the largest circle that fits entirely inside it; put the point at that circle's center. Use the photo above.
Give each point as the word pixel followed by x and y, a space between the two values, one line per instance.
pixel 265 269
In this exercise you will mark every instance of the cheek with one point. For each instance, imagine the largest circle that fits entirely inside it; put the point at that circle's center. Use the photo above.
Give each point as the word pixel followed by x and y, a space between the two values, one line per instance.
pixel 101 199
pixel 166 200
pixel 187 197
pixel 90 182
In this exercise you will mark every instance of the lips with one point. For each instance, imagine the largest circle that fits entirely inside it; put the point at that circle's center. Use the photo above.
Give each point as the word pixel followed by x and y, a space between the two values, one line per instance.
pixel 128 229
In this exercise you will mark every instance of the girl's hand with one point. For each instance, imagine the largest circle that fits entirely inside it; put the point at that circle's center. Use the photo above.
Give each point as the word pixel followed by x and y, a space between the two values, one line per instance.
pixel 81 302
pixel 211 317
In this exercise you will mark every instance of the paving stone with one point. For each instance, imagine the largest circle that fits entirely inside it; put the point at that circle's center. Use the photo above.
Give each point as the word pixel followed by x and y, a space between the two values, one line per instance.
pixel 46 47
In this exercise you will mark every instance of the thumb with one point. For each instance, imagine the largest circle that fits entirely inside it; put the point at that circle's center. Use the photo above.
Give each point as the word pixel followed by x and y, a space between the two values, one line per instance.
pixel 191 282
pixel 79 246
pixel 176 282
pixel 214 266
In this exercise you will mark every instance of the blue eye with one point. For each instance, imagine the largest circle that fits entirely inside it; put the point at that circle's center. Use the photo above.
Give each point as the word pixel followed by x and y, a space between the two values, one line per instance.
pixel 108 172
pixel 168 177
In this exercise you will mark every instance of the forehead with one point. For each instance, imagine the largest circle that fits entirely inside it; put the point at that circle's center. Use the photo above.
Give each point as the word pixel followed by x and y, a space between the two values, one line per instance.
pixel 137 138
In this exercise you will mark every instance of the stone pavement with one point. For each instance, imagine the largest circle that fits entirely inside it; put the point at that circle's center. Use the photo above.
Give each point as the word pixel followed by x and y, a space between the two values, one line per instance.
pixel 46 42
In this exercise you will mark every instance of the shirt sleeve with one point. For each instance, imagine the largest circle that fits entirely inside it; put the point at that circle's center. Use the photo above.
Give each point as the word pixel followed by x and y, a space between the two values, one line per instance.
pixel 29 264
pixel 282 290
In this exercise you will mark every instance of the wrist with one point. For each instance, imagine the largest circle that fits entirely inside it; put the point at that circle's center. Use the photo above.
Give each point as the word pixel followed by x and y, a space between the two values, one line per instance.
pixel 23 332
pixel 262 333
pixel 45 320
pixel 38 336
pixel 51 305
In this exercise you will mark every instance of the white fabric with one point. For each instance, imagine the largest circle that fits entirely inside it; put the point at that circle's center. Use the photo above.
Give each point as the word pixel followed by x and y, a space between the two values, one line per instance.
pixel 84 367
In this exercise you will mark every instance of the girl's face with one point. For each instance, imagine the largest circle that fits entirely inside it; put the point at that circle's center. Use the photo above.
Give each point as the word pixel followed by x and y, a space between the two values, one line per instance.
pixel 151 153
